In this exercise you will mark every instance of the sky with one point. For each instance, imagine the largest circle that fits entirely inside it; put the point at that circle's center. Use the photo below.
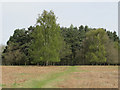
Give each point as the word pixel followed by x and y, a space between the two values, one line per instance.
pixel 24 14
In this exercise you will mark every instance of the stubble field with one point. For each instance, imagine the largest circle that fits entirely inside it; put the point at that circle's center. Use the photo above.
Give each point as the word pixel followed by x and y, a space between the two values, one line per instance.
pixel 59 77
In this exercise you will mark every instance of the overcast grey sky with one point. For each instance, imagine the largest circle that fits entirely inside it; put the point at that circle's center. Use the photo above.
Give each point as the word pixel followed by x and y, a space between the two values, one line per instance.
pixel 93 14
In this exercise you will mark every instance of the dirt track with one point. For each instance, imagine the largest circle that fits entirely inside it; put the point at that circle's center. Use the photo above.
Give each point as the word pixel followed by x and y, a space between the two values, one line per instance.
pixel 79 77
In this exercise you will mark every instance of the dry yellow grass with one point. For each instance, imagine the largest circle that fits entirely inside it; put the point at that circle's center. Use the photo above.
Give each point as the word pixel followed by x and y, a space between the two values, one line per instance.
pixel 79 77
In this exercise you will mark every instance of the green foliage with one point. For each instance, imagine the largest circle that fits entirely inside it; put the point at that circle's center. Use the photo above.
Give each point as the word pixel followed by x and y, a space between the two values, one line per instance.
pixel 15 51
pixel 48 43
pixel 1 50
pixel 96 52
pixel 112 49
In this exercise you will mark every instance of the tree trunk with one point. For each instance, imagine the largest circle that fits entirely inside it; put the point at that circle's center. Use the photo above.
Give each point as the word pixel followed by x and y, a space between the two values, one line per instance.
pixel 37 64
pixel 46 63
pixel 25 63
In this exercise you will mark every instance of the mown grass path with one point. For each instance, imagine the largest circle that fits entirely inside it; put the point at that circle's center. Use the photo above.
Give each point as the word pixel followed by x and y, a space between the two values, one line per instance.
pixel 50 78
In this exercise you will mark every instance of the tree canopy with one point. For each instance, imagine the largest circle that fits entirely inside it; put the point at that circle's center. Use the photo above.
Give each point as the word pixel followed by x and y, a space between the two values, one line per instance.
pixel 46 43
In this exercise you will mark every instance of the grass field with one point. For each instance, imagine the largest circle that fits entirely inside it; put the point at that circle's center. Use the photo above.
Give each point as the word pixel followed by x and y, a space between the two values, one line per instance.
pixel 59 77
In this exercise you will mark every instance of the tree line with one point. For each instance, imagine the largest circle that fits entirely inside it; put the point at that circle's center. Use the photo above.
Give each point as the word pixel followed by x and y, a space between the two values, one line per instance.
pixel 46 43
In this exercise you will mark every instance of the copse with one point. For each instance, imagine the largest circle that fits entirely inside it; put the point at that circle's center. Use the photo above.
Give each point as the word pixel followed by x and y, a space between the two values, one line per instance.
pixel 46 43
